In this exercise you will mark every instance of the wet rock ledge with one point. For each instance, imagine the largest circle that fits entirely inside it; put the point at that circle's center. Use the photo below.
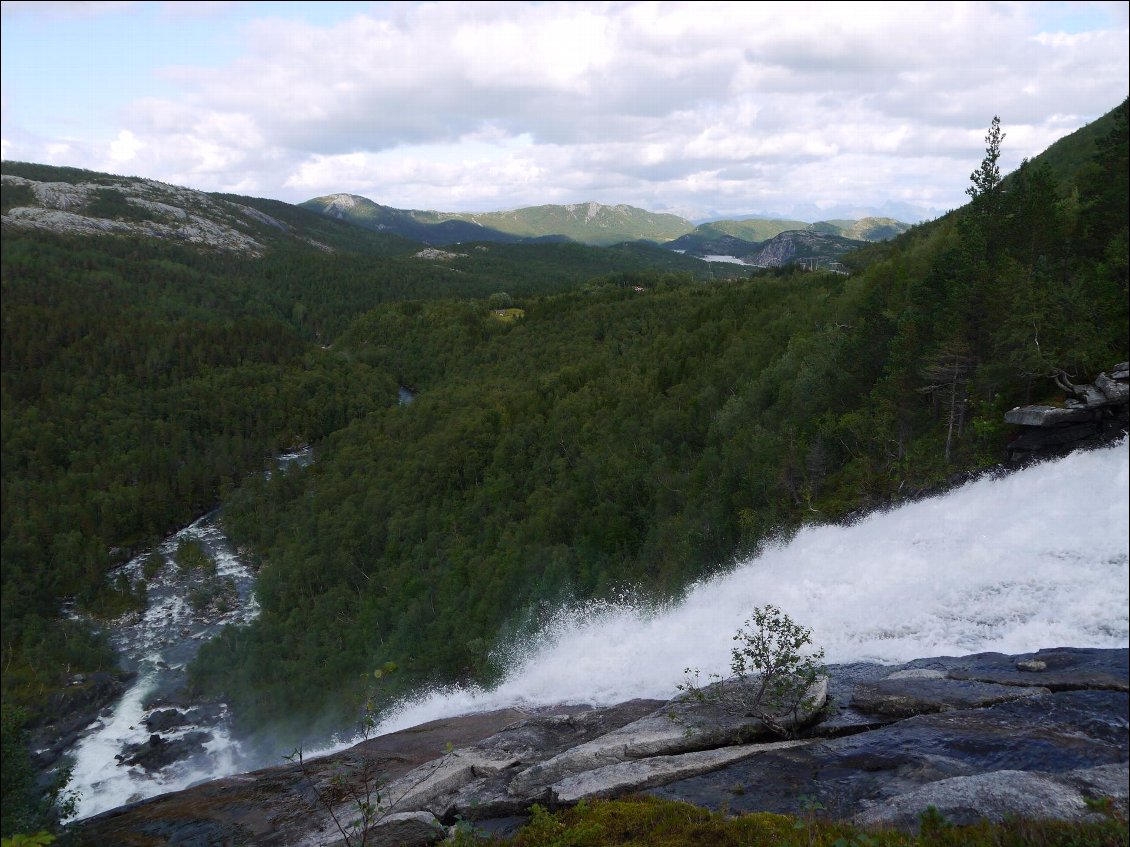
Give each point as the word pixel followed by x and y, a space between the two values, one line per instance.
pixel 987 735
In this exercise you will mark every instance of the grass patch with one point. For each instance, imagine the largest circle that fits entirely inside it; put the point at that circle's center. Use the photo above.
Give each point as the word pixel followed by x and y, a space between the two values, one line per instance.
pixel 508 315
pixel 651 822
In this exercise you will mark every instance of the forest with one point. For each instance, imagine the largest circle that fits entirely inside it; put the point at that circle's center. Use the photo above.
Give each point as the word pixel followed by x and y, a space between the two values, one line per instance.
pixel 621 439
pixel 632 428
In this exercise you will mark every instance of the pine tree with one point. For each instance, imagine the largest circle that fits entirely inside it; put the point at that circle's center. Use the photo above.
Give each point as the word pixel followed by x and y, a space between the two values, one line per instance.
pixel 987 177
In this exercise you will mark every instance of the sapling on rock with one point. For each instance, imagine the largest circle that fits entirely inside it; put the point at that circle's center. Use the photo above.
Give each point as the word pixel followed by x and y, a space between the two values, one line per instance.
pixel 774 672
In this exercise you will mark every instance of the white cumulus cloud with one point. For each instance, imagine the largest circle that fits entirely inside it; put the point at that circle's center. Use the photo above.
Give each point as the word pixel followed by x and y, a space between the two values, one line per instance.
pixel 720 108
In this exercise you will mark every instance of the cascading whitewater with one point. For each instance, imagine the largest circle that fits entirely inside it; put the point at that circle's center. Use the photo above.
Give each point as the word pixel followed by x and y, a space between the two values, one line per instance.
pixel 1032 559
pixel 158 645
pixel 1037 558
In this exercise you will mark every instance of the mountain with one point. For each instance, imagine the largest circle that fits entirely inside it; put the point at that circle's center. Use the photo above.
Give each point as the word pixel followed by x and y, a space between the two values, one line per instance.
pixel 588 223
pixel 814 249
pixel 70 201
pixel 751 239
pixel 425 227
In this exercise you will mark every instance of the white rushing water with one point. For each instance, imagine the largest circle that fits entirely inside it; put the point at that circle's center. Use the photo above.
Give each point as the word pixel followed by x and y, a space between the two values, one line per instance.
pixel 158 644
pixel 1034 559
pixel 1038 558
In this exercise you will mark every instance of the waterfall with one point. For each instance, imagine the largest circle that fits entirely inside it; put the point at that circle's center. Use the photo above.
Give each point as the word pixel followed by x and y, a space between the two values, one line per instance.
pixel 1036 558
pixel 1032 559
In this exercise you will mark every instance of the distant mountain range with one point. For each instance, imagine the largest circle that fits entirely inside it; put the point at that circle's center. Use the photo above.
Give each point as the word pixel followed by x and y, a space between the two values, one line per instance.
pixel 587 223
pixel 75 201
pixel 600 225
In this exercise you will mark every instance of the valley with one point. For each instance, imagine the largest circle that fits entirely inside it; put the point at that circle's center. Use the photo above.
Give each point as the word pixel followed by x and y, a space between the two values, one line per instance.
pixel 642 445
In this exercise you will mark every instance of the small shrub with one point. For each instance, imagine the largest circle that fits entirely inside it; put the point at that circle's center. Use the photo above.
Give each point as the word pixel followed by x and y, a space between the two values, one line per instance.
pixel 772 647
pixel 191 556
pixel 772 654
pixel 152 564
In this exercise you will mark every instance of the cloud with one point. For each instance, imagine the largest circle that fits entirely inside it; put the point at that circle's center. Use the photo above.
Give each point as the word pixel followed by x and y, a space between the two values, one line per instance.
pixel 62 9
pixel 726 106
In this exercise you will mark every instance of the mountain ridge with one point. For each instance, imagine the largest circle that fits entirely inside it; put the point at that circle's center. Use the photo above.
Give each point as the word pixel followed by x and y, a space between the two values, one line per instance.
pixel 71 201
pixel 76 201
pixel 588 222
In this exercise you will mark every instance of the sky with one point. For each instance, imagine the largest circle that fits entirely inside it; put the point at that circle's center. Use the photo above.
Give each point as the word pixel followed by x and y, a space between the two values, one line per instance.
pixel 706 110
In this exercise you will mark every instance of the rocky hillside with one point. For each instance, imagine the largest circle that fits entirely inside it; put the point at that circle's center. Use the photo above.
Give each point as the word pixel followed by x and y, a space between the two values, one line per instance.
pixel 864 229
pixel 811 248
pixel 773 243
pixel 1042 735
pixel 762 229
pixel 69 201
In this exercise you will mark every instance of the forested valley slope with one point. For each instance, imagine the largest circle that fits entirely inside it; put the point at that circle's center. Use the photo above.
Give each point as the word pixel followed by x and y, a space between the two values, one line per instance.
pixel 586 420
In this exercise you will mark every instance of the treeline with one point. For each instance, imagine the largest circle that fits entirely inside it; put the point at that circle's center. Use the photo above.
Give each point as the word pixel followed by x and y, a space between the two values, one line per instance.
pixel 614 437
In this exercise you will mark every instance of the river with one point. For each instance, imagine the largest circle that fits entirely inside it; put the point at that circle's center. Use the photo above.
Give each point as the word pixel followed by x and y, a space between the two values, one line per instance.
pixel 158 645
pixel 1037 558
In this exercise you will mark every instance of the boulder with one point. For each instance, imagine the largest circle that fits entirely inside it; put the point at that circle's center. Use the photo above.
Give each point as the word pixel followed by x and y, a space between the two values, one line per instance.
pixel 163 720
pixel 1094 413
pixel 160 752
pixel 1046 416
pixel 999 795
pixel 681 726
pixel 1113 390
pixel 904 697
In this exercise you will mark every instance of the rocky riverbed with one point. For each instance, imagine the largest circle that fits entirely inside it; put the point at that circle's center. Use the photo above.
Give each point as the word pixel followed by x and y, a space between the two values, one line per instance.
pixel 986 735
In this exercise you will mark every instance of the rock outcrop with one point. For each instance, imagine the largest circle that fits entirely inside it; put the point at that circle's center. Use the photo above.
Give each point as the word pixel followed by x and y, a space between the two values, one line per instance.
pixel 137 207
pixel 1091 414
pixel 976 736
pixel 818 248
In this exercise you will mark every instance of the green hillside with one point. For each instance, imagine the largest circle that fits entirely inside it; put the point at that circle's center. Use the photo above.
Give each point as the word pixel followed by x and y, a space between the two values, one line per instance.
pixel 753 230
pixel 640 432
pixel 587 223
pixel 1069 156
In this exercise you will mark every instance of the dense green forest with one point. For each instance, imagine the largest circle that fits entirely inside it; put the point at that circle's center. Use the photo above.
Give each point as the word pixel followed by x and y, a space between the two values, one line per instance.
pixel 142 380
pixel 632 426
pixel 620 437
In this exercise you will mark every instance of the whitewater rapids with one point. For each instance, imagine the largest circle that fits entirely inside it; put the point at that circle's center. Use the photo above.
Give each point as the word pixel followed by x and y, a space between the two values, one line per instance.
pixel 1033 559
pixel 1037 558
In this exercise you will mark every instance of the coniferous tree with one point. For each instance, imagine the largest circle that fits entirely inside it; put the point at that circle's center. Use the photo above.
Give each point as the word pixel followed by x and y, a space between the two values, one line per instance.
pixel 987 177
